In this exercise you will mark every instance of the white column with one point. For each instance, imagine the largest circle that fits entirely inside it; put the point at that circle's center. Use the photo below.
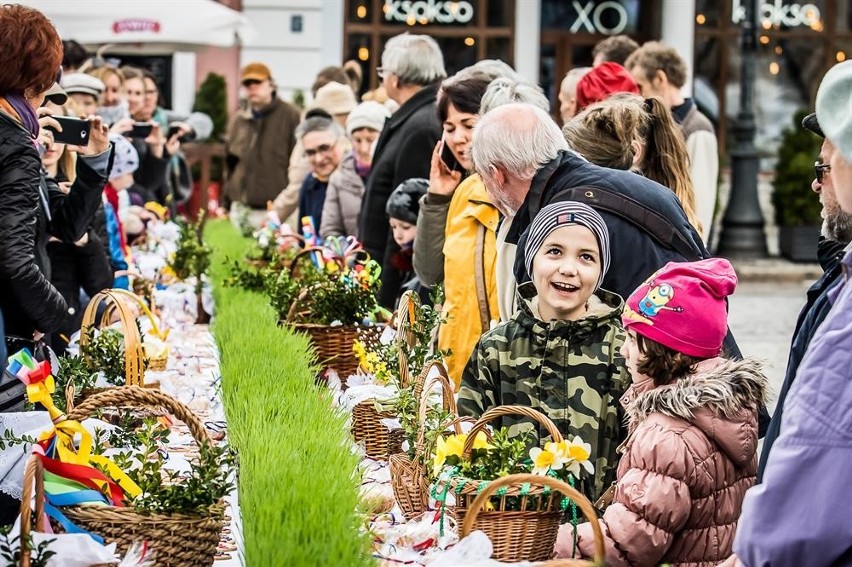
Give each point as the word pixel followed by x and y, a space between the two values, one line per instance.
pixel 183 81
pixel 332 40
pixel 528 38
pixel 679 32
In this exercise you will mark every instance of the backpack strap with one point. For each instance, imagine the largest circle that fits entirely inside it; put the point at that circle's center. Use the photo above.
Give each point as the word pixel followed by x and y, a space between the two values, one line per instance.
pixel 479 269
pixel 652 222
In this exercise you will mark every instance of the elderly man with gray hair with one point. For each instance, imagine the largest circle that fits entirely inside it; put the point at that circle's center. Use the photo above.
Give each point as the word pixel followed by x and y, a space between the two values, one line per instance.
pixel 525 163
pixel 412 67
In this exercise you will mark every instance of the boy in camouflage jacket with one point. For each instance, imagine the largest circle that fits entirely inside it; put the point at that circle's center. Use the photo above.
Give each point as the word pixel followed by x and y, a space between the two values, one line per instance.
pixel 560 352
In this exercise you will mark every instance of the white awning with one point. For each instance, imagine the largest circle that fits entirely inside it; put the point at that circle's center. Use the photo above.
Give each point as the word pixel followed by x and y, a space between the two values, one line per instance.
pixel 183 24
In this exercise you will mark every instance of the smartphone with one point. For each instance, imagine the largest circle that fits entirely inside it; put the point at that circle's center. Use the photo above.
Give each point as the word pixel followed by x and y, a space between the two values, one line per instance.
pixel 74 131
pixel 449 159
pixel 140 130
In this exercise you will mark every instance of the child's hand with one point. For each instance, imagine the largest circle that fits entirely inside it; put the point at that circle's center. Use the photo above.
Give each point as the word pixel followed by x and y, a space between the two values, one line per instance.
pixel 442 181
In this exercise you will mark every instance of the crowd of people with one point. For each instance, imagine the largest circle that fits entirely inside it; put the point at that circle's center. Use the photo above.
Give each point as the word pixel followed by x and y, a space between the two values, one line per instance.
pixel 573 259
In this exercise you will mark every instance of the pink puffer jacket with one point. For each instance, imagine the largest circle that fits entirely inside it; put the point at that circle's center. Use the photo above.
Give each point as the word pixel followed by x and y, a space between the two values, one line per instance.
pixel 687 464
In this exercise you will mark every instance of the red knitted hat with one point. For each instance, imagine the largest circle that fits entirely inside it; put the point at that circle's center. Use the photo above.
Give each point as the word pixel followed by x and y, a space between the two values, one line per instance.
pixel 605 79
pixel 682 306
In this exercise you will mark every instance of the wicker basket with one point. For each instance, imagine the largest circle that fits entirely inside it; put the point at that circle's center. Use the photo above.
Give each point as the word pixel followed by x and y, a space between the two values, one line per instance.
pixel 526 535
pixel 410 486
pixel 529 536
pixel 367 427
pixel 333 344
pixel 178 539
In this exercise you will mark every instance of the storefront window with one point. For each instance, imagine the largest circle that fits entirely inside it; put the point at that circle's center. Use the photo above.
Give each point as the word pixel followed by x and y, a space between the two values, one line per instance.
pixel 609 17
pixel 466 30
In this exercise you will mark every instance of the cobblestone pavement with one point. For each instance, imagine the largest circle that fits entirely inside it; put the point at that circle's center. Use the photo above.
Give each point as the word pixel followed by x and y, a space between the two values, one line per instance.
pixel 762 316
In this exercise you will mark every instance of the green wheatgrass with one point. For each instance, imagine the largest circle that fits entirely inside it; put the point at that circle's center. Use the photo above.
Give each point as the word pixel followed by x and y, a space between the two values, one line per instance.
pixel 298 489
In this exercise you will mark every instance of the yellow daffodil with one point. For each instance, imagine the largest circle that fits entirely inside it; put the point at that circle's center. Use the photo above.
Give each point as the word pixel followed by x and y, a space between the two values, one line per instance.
pixel 579 453
pixel 453 446
pixel 544 460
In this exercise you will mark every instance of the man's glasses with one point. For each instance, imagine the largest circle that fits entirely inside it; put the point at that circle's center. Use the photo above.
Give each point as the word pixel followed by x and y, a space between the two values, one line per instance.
pixel 380 71
pixel 319 150
pixel 250 82
pixel 820 169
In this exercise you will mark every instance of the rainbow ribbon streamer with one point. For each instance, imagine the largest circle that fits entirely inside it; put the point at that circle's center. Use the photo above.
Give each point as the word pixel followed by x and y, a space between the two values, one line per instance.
pixel 81 482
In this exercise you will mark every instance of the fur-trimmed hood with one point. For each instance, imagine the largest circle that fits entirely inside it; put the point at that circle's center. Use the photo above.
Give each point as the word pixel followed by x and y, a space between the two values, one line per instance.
pixel 721 398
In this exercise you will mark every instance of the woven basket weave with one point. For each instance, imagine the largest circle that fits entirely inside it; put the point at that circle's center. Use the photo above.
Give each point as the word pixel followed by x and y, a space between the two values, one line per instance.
pixel 529 536
pixel 408 479
pixel 525 535
pixel 179 540
pixel 333 344
pixel 367 427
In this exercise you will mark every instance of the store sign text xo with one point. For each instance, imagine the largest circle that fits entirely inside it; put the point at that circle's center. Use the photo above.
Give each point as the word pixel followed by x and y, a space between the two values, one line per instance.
pixel 778 13
pixel 428 11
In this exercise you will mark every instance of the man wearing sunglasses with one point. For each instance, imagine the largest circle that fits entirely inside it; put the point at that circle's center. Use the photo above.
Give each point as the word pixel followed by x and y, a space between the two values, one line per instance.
pixel 260 141
pixel 836 233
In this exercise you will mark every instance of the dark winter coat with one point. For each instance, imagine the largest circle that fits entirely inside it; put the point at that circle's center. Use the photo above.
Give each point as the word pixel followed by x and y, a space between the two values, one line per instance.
pixel 403 151
pixel 30 212
pixel 635 252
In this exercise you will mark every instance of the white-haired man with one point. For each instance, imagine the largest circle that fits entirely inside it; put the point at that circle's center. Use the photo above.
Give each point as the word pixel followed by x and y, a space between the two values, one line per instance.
pixel 412 67
pixel 525 163
pixel 799 514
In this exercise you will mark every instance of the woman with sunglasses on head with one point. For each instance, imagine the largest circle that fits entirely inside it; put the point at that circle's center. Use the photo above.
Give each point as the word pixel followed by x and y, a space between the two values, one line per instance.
pixel 30 211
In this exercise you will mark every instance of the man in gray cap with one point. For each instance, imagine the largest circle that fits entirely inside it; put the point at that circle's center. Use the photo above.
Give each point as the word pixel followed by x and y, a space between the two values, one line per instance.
pixel 799 515
pixel 85 90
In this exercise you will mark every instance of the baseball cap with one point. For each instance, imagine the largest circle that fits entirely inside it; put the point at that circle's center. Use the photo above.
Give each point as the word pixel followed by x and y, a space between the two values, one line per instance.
pixel 834 107
pixel 255 72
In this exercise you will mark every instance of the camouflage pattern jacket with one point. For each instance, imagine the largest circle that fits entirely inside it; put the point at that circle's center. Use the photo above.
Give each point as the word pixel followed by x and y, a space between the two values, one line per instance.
pixel 571 371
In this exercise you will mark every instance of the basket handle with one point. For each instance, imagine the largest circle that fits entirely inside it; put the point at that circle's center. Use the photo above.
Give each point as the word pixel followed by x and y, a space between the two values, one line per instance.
pixel 294 263
pixel 133 353
pixel 500 411
pixel 527 478
pixel 155 330
pixel 448 399
pixel 137 396
pixel 33 479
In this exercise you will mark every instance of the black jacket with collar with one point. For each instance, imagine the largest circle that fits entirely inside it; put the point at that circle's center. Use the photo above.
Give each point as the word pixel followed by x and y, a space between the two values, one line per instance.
pixel 403 151
pixel 635 251
pixel 31 210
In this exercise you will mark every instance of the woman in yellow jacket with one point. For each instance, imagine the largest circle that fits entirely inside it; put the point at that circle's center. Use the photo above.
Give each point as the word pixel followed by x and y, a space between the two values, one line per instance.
pixel 457 225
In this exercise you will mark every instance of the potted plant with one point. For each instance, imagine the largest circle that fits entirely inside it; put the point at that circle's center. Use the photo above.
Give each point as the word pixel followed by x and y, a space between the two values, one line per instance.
pixel 797 208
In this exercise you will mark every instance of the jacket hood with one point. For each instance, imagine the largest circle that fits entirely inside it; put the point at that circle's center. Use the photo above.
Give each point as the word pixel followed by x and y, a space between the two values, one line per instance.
pixel 721 398
pixel 603 307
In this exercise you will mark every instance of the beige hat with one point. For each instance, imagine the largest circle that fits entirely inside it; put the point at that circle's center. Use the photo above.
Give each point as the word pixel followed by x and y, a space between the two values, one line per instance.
pixel 82 83
pixel 335 98
pixel 834 107
pixel 368 114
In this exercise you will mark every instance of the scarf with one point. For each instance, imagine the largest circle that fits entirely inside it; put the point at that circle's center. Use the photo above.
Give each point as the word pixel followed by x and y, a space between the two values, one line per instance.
pixel 18 108
pixel 362 169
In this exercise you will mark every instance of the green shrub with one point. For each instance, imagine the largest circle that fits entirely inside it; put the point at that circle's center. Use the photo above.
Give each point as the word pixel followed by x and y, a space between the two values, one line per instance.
pixel 298 490
pixel 212 100
pixel 794 201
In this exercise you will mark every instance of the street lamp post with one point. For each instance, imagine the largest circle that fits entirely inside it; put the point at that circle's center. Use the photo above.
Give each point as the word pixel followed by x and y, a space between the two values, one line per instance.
pixel 742 226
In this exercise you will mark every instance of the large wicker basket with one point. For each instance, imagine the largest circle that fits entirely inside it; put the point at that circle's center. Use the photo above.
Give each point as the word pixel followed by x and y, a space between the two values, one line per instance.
pixel 408 479
pixel 367 427
pixel 525 535
pixel 528 536
pixel 333 344
pixel 178 539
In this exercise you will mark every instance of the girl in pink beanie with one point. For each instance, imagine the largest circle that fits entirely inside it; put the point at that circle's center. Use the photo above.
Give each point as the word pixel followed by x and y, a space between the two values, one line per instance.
pixel 691 451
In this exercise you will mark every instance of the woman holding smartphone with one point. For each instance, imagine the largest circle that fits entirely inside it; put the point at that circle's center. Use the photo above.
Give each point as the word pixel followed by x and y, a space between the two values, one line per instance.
pixel 457 217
